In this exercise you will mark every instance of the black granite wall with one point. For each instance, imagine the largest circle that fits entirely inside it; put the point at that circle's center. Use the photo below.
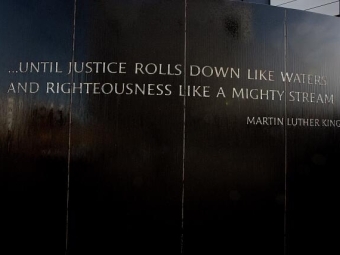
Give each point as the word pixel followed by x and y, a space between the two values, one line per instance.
pixel 184 127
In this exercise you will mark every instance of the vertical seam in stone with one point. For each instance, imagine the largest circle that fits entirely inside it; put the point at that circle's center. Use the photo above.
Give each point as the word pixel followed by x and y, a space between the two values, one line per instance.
pixel 285 133
pixel 70 130
pixel 184 120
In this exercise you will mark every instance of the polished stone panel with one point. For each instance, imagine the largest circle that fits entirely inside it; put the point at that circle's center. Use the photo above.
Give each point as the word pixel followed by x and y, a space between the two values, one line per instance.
pixel 34 126
pixel 126 167
pixel 312 153
pixel 234 186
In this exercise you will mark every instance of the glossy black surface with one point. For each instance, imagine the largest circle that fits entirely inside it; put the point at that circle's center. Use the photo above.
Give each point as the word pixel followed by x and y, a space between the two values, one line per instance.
pixel 127 149
pixel 34 128
pixel 313 152
pixel 249 188
pixel 234 171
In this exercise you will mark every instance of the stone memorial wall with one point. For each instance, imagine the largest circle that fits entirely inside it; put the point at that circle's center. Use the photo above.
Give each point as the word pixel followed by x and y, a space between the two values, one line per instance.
pixel 168 127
